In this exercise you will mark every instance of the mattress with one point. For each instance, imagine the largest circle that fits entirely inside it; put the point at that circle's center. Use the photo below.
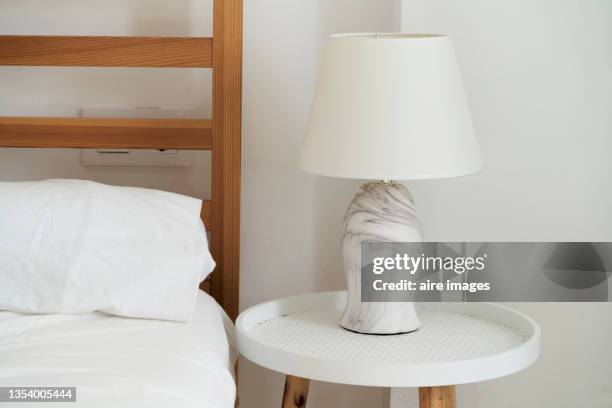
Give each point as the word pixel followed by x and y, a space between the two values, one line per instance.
pixel 119 362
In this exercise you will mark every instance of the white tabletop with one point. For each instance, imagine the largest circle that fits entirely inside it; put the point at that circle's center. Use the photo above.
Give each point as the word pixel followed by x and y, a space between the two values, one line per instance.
pixel 458 343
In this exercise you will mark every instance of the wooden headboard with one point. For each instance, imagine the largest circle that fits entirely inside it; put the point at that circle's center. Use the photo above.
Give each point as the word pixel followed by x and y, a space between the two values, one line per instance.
pixel 221 134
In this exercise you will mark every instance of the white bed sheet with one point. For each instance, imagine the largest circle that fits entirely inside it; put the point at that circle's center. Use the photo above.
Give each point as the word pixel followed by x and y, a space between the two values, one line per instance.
pixel 119 362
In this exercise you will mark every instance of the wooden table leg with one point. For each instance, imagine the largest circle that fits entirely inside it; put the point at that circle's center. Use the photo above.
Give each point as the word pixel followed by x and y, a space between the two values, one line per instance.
pixel 296 392
pixel 437 397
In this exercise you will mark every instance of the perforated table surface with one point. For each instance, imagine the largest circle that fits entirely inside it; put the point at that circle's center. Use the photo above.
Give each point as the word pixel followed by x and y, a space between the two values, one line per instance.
pixel 457 343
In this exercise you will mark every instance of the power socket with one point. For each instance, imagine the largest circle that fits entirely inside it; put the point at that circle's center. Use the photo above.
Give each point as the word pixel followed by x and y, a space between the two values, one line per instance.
pixel 143 157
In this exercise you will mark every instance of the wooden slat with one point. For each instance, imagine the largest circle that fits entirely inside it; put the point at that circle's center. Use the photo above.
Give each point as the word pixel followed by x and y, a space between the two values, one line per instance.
pixel 206 286
pixel 108 133
pixel 206 214
pixel 43 50
pixel 227 113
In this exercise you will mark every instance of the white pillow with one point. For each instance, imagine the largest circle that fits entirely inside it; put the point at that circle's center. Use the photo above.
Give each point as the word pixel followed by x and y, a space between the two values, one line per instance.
pixel 71 246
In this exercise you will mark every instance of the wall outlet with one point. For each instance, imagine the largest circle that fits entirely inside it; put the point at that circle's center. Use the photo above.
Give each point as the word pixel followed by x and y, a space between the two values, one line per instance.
pixel 137 158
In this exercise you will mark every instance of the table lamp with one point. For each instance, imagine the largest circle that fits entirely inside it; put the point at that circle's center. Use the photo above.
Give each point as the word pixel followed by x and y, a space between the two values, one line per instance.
pixel 387 107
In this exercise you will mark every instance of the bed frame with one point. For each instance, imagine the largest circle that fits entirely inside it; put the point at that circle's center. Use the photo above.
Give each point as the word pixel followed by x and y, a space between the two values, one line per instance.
pixel 221 134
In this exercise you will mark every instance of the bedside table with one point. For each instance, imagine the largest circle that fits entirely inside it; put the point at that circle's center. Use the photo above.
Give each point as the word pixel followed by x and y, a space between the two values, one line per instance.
pixel 458 343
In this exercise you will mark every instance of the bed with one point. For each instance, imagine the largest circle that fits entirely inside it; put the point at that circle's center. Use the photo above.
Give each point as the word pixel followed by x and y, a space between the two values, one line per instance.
pixel 121 360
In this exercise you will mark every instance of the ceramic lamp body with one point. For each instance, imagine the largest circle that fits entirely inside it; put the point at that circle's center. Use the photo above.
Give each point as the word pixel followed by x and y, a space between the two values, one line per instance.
pixel 381 212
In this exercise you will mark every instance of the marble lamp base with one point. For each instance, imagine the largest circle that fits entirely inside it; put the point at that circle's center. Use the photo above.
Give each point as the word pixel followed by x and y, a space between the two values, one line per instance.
pixel 381 212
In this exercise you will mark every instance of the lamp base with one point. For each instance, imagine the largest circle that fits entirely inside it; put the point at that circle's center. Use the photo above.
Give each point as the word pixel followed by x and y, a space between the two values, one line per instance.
pixel 381 212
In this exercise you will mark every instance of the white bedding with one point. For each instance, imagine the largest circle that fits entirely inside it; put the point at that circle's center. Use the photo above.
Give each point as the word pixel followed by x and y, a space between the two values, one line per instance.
pixel 119 362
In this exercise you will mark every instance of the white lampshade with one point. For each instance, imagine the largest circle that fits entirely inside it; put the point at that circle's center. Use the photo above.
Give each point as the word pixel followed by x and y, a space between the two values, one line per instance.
pixel 390 106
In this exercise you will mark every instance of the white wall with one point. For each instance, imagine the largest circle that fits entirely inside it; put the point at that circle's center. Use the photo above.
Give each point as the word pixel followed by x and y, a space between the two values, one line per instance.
pixel 538 74
pixel 291 221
